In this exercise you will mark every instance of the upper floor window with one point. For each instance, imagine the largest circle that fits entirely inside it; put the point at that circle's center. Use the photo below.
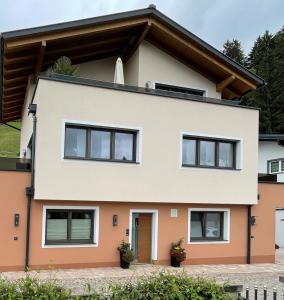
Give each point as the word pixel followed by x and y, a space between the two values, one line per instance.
pixel 100 143
pixel 208 152
pixel 276 166
pixel 179 89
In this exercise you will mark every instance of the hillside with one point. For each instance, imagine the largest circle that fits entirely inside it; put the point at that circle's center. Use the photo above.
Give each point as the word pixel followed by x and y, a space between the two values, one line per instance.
pixel 9 140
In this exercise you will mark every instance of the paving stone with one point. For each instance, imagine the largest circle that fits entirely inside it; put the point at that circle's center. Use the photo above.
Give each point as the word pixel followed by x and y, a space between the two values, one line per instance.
pixel 98 278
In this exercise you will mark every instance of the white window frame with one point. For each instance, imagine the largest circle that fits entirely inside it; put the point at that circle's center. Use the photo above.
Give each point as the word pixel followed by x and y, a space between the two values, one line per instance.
pixel 226 225
pixel 239 149
pixel 155 213
pixel 89 123
pixel 96 210
pixel 278 160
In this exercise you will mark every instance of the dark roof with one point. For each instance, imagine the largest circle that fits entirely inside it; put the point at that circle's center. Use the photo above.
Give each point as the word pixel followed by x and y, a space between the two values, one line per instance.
pixel 125 15
pixel 26 52
pixel 271 137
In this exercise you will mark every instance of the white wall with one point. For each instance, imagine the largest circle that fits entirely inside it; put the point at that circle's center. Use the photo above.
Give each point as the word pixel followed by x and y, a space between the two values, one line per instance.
pixel 279 230
pixel 26 122
pixel 156 65
pixel 159 177
pixel 102 69
pixel 148 63
pixel 268 150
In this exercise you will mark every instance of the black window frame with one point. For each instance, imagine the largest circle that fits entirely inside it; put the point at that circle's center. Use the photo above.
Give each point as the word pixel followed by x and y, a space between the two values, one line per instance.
pixel 113 131
pixel 217 141
pixel 203 222
pixel 179 89
pixel 69 241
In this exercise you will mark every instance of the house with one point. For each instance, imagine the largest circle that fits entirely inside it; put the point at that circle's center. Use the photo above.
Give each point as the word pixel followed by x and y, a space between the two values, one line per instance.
pixel 271 156
pixel 167 155
pixel 271 168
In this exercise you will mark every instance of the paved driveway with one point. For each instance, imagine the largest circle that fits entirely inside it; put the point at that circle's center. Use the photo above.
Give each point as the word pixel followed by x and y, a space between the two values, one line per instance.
pixel 247 275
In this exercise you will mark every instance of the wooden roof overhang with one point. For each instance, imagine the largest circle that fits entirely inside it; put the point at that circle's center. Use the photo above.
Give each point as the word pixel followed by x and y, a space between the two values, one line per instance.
pixel 28 52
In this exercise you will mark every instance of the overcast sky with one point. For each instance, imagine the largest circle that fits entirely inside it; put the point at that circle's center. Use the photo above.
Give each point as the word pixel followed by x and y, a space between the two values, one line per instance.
pixel 215 21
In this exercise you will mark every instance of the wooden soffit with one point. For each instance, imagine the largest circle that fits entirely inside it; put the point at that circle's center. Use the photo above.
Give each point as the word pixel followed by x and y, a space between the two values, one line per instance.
pixel 26 53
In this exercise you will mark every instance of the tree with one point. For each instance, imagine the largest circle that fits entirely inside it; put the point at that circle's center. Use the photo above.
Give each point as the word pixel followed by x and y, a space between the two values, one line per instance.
pixel 234 50
pixel 63 65
pixel 266 60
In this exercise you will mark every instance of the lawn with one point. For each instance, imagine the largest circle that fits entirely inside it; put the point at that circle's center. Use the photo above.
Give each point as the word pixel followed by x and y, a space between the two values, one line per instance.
pixel 10 140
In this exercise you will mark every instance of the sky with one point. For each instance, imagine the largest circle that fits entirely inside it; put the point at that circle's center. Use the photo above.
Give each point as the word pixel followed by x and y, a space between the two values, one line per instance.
pixel 215 21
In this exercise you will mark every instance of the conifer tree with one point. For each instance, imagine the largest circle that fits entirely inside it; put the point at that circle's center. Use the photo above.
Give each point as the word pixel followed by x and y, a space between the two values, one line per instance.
pixel 234 50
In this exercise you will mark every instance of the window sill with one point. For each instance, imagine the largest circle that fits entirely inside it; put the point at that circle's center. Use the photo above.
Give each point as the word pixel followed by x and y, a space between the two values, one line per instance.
pixel 101 160
pixel 210 168
pixel 71 246
pixel 199 242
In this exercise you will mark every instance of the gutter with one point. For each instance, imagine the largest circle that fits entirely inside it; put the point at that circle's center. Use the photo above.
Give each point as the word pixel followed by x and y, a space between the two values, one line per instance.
pixel 30 189
pixel 249 235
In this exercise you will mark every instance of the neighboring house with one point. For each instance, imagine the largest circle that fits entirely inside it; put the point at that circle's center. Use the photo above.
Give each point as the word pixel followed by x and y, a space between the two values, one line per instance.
pixel 271 156
pixel 166 156
pixel 271 168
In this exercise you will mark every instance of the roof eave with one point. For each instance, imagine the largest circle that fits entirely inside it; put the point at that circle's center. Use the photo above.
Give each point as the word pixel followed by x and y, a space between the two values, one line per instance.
pixel 131 14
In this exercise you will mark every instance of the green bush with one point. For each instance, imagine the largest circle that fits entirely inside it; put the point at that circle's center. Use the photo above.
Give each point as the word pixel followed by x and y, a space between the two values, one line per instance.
pixel 166 286
pixel 161 286
pixel 30 288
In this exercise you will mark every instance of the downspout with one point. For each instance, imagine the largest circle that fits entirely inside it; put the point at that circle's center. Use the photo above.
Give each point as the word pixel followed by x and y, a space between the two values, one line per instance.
pixel 30 189
pixel 249 235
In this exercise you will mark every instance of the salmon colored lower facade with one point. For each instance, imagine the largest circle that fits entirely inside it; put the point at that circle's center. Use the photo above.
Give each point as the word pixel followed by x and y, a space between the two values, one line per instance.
pixel 170 229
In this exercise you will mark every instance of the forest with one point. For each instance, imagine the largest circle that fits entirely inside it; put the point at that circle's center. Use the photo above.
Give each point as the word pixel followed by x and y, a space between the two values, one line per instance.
pixel 266 59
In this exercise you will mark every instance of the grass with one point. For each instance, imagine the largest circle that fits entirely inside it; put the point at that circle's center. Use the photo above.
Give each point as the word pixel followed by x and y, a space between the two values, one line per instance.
pixel 10 140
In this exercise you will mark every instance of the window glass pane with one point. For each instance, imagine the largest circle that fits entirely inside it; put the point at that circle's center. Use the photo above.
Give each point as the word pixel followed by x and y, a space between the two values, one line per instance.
pixel 123 146
pixel 226 155
pixel 56 228
pixel 207 153
pixel 188 152
pixel 81 225
pixel 100 144
pixel 282 165
pixel 274 166
pixel 75 144
pixel 196 225
pixel 213 225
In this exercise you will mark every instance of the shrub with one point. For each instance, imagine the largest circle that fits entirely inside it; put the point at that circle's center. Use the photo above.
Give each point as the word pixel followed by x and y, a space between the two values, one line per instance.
pixel 32 289
pixel 167 286
pixel 161 286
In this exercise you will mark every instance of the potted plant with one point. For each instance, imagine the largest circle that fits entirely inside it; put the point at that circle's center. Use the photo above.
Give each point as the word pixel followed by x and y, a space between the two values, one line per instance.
pixel 126 255
pixel 177 254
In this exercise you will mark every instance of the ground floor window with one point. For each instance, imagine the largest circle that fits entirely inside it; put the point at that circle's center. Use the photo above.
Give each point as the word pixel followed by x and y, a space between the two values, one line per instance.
pixel 74 225
pixel 208 225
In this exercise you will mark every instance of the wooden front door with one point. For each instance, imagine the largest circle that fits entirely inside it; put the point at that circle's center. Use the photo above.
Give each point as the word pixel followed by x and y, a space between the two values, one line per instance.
pixel 144 244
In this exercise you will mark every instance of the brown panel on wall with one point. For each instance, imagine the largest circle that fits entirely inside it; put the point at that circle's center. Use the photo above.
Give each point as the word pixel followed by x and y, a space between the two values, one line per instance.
pixel 144 238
